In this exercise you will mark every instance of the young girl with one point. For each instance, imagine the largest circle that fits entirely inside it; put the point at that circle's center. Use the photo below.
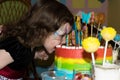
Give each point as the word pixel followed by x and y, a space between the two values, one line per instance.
pixel 45 26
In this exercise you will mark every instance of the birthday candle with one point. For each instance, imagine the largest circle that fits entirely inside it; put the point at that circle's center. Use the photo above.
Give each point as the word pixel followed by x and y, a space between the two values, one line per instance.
pixel 75 31
pixel 81 38
pixel 67 40
pixel 92 19
pixel 78 25
pixel 76 35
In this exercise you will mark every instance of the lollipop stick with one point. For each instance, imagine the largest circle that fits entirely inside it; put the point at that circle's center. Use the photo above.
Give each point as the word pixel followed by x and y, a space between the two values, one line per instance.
pixel 93 58
pixel 105 51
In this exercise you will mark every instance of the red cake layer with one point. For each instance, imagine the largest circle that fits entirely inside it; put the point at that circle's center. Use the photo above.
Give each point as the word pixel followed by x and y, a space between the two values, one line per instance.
pixel 80 53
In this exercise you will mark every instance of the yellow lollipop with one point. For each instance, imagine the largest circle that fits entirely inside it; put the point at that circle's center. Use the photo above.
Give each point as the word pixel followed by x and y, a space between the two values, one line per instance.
pixel 108 33
pixel 91 44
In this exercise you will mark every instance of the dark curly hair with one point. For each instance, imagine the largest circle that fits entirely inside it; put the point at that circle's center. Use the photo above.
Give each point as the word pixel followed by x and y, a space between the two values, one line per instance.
pixel 44 18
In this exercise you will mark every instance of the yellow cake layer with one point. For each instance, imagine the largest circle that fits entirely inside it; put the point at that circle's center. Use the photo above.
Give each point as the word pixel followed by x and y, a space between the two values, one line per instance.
pixel 71 64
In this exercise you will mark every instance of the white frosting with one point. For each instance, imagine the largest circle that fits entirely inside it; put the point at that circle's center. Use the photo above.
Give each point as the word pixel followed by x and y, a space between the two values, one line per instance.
pixel 58 46
pixel 69 47
pixel 72 47
pixel 107 72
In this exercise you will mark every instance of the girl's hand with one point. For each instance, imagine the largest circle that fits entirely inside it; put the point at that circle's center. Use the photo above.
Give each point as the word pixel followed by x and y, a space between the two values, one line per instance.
pixel 41 55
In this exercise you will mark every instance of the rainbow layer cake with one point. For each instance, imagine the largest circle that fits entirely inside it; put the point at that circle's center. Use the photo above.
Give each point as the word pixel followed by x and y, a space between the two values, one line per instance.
pixel 72 58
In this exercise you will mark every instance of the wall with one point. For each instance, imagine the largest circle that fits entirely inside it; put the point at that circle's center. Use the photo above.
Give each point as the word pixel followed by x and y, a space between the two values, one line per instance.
pixel 87 6
pixel 114 14
pixel 109 7
pixel 33 1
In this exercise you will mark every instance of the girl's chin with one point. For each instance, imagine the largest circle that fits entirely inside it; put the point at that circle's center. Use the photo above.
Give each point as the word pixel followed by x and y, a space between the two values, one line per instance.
pixel 51 51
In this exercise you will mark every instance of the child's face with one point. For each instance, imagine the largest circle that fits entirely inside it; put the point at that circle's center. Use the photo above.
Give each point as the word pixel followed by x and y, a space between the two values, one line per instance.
pixel 57 38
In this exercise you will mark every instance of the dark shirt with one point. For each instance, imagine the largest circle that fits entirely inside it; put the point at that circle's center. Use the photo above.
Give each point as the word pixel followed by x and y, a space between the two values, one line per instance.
pixel 22 55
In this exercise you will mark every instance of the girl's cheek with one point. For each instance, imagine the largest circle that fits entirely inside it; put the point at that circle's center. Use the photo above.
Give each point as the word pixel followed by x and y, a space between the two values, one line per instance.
pixel 56 42
pixel 63 41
